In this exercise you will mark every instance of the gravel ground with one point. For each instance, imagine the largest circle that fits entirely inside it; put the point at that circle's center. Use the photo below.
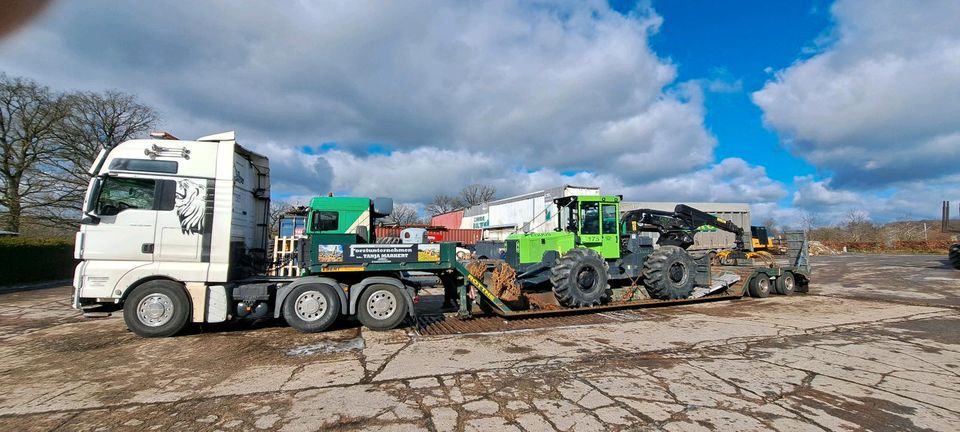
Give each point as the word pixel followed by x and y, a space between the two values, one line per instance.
pixel 874 346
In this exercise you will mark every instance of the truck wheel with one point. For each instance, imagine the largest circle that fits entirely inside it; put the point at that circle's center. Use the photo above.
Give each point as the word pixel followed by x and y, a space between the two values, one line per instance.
pixel 760 286
pixel 311 308
pixel 669 273
pixel 157 308
pixel 382 307
pixel 955 256
pixel 579 278
pixel 786 284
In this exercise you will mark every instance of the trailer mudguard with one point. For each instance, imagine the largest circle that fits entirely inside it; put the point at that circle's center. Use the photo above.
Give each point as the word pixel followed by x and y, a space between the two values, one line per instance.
pixel 307 280
pixel 357 289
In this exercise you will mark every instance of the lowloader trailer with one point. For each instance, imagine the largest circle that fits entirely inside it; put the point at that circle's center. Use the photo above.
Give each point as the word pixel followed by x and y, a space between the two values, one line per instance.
pixel 174 232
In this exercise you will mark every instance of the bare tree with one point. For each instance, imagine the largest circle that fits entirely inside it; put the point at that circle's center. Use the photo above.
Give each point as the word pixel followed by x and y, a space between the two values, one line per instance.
pixel 476 194
pixel 809 221
pixel 29 117
pixel 404 214
pixel 771 225
pixel 858 227
pixel 93 121
pixel 442 204
pixel 277 210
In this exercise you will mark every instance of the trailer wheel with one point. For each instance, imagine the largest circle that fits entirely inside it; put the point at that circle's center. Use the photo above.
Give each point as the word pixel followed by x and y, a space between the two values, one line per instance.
pixel 955 256
pixel 760 286
pixel 579 278
pixel 382 307
pixel 311 308
pixel 786 284
pixel 669 273
pixel 157 308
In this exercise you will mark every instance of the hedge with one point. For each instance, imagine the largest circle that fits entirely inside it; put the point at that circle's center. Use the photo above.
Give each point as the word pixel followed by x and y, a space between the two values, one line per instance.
pixel 35 259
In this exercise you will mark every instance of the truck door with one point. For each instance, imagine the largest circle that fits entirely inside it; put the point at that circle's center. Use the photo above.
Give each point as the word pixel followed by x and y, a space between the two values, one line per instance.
pixel 183 223
pixel 127 213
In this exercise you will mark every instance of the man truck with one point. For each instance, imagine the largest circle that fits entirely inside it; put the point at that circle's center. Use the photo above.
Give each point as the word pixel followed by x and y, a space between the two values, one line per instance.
pixel 174 232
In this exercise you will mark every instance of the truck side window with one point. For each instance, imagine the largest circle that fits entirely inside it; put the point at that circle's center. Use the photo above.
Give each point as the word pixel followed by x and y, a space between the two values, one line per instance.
pixel 119 194
pixel 609 219
pixel 590 217
pixel 325 221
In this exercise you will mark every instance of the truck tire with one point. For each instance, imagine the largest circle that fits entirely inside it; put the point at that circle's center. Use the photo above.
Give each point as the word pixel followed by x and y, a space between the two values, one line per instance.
pixel 579 278
pixel 158 308
pixel 382 307
pixel 669 273
pixel 786 284
pixel 955 256
pixel 759 286
pixel 311 308
pixel 388 240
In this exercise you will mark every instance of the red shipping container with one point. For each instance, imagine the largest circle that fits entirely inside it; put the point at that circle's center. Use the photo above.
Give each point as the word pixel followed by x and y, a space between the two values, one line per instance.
pixel 437 234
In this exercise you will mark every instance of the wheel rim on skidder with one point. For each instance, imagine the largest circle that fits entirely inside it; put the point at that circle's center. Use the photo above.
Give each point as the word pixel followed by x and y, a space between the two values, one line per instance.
pixel 579 278
pixel 669 273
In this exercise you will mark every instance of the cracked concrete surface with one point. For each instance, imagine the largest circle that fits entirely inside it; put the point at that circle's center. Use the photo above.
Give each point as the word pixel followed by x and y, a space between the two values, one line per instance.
pixel 837 359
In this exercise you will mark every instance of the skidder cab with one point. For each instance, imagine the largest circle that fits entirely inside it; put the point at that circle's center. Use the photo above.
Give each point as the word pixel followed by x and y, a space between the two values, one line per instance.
pixel 598 251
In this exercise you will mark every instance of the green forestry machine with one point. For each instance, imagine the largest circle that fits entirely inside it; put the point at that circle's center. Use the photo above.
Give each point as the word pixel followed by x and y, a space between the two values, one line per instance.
pixel 596 247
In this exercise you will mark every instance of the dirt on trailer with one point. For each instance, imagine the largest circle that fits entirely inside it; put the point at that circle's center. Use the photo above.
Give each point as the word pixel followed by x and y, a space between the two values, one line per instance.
pixel 873 346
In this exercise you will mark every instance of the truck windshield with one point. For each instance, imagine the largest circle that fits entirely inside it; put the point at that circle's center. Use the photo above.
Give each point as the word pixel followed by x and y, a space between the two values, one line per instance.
pixel 119 194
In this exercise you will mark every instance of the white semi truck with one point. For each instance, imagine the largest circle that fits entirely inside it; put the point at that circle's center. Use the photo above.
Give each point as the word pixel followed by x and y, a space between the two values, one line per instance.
pixel 165 224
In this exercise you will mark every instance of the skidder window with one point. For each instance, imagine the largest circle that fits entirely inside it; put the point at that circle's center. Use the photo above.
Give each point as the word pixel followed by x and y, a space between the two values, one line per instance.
pixel 609 219
pixel 325 221
pixel 590 215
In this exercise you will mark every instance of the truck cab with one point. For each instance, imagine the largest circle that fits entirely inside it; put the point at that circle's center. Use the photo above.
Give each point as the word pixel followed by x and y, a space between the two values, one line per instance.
pixel 187 215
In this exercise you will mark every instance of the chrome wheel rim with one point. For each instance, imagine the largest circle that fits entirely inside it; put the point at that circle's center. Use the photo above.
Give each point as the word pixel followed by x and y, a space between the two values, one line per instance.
pixel 382 305
pixel 310 306
pixel 155 310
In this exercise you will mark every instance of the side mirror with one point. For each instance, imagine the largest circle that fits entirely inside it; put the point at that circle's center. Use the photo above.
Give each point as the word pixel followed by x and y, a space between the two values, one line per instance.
pixel 382 207
pixel 89 219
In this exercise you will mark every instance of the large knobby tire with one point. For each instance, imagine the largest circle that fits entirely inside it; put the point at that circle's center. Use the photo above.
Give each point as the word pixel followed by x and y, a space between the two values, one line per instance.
pixel 759 286
pixel 579 278
pixel 669 273
pixel 382 307
pixel 158 308
pixel 311 308
pixel 955 256
pixel 786 284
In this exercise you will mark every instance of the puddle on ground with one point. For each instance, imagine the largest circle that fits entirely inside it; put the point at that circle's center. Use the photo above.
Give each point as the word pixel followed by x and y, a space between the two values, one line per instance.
pixel 327 347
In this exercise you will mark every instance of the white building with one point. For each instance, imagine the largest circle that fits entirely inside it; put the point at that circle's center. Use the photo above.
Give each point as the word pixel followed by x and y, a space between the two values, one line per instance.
pixel 532 212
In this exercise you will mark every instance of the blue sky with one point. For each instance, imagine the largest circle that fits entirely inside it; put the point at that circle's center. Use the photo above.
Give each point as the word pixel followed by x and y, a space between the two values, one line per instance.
pixel 718 41
pixel 739 44
pixel 800 108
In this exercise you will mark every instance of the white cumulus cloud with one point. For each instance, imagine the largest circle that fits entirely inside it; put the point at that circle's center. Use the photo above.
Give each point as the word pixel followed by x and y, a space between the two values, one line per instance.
pixel 879 105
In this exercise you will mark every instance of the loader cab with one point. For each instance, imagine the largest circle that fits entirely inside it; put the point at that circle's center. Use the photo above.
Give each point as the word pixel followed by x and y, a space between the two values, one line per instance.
pixel 595 221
